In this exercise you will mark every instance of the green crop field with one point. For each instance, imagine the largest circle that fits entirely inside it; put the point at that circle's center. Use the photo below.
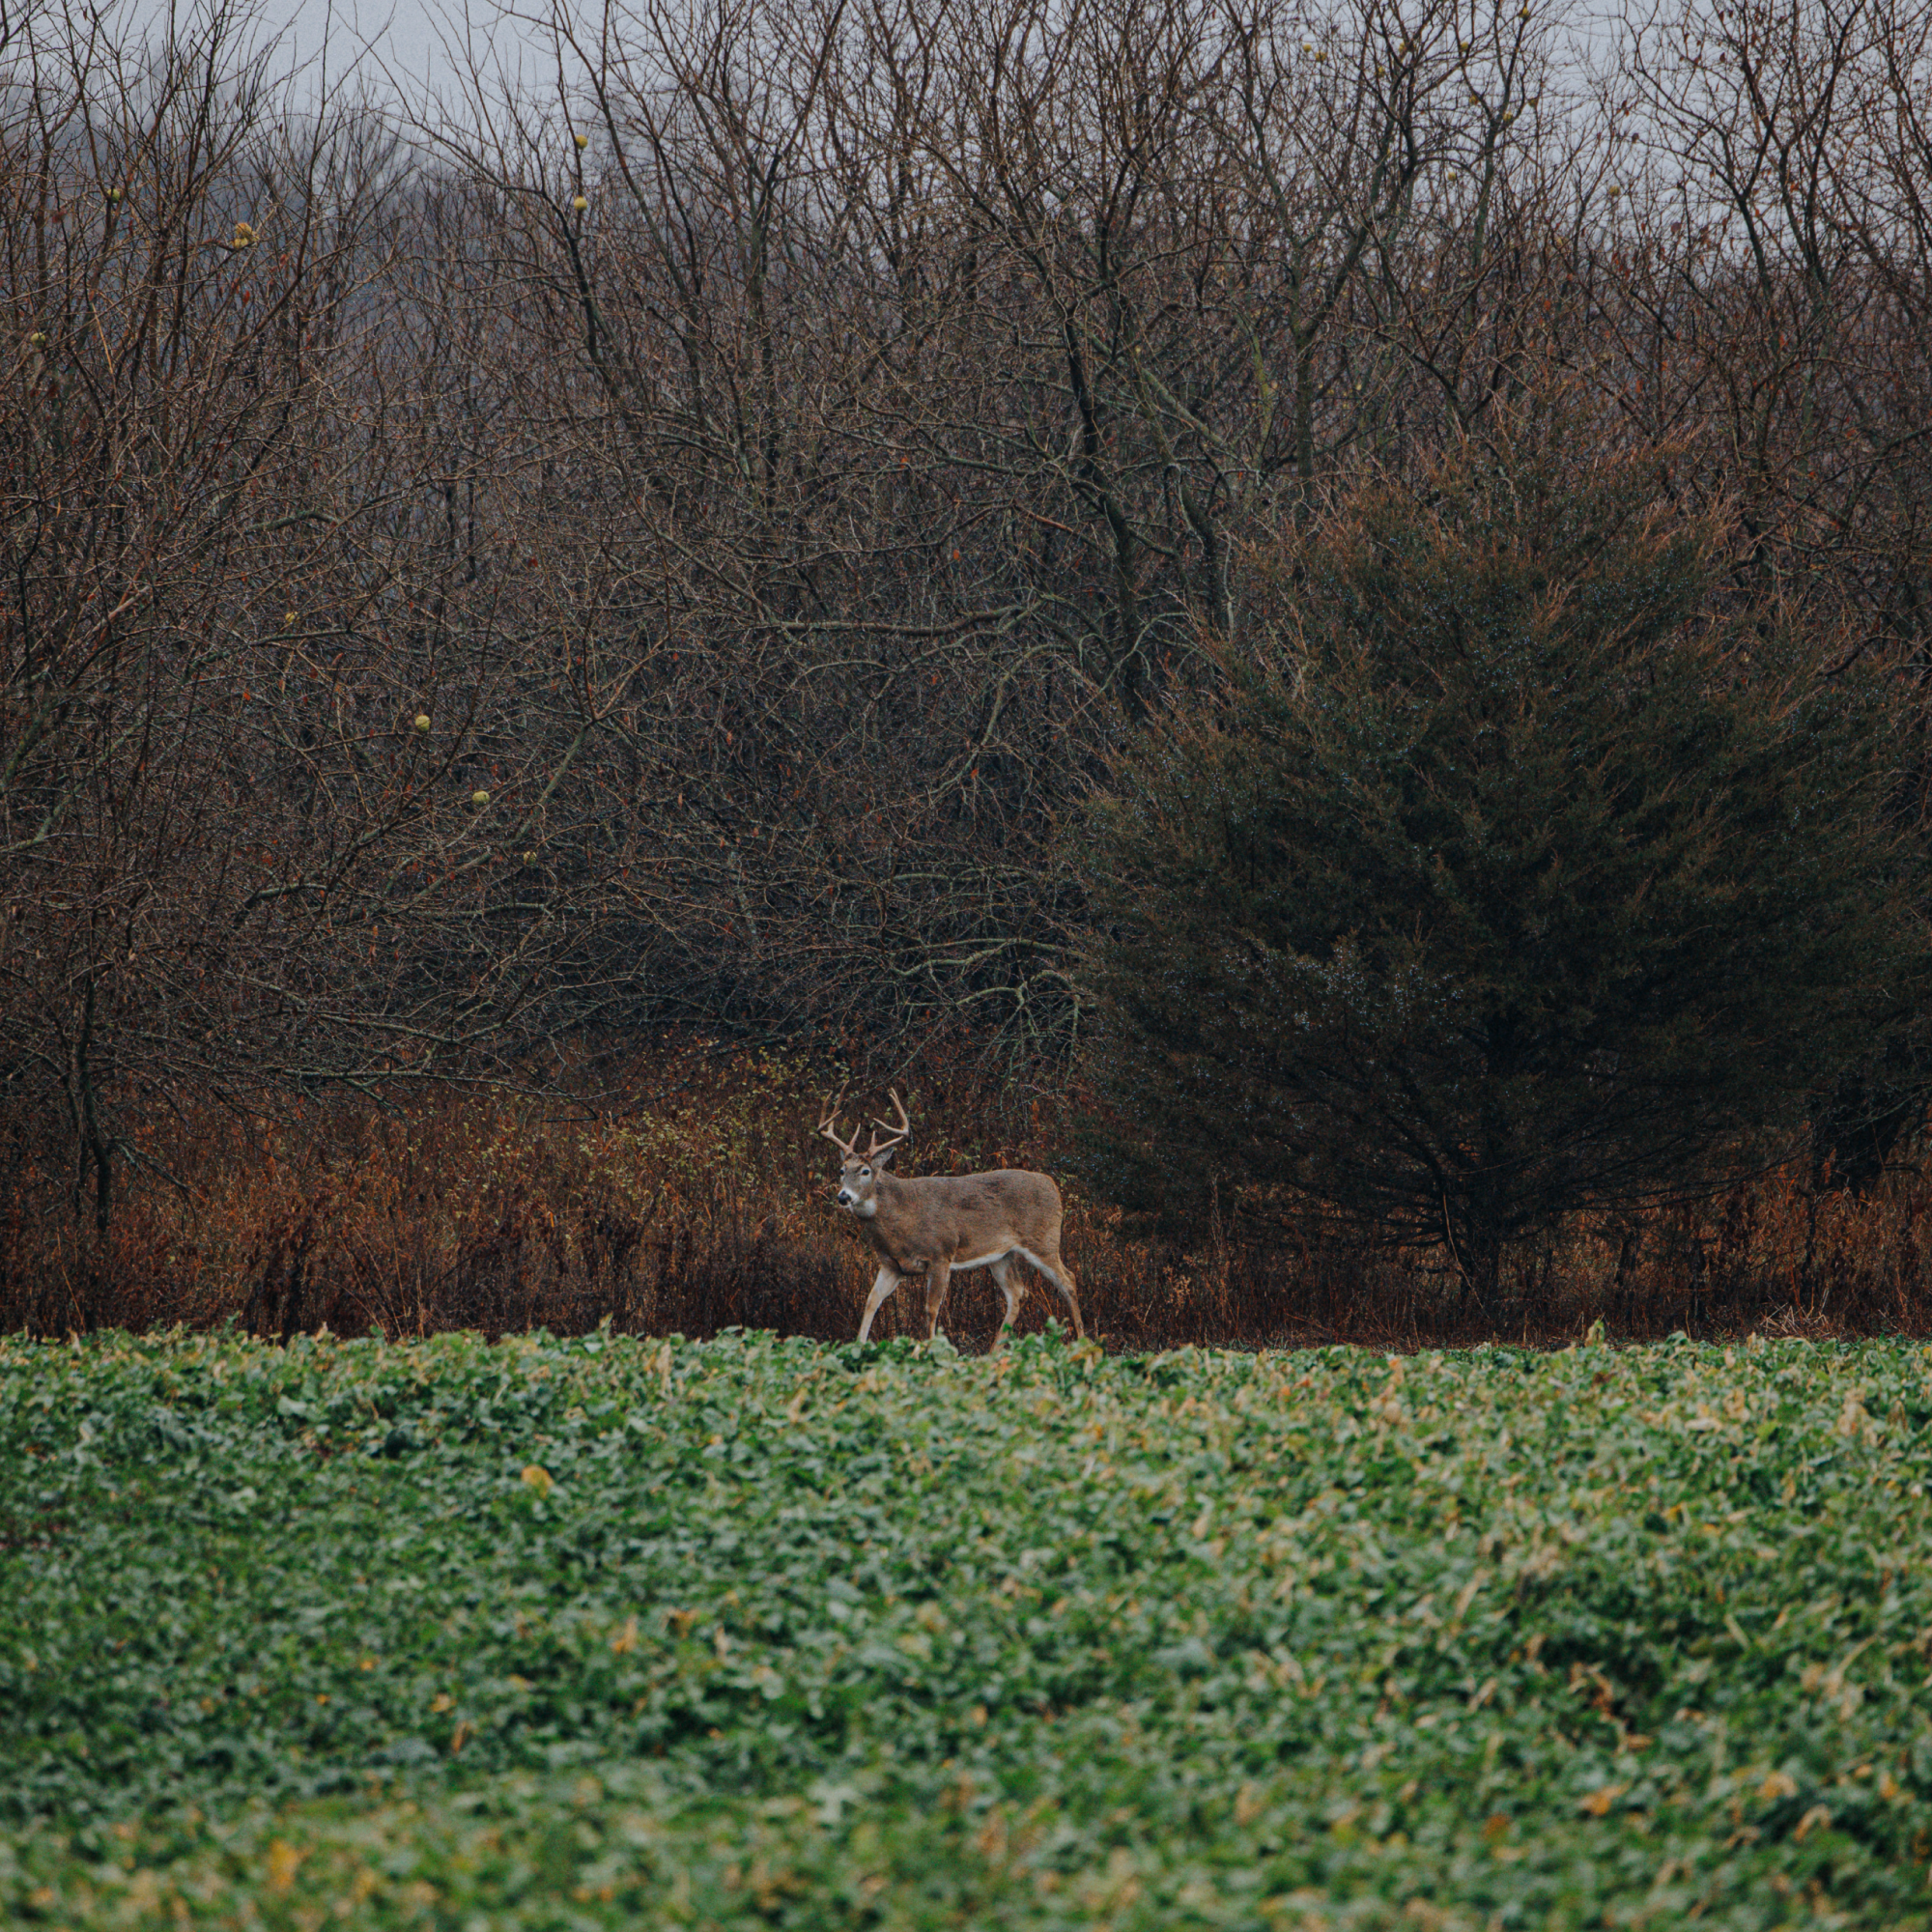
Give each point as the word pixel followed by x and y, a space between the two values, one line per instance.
pixel 606 1632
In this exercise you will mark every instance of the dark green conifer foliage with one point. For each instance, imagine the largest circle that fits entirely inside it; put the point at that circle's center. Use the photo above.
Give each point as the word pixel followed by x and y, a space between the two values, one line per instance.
pixel 1517 868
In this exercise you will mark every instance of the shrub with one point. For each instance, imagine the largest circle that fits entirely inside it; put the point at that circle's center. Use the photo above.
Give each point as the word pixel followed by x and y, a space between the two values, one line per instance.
pixel 1522 866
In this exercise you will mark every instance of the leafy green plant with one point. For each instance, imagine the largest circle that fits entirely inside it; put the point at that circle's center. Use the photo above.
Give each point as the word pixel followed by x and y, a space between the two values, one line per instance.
pixel 762 1632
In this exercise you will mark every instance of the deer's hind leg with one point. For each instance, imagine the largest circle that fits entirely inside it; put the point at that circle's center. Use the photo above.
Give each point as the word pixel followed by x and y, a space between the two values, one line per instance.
pixel 1002 1271
pixel 887 1279
pixel 1047 1261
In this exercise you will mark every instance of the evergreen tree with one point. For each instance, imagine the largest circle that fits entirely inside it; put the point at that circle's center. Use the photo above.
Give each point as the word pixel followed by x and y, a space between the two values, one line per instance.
pixel 1523 868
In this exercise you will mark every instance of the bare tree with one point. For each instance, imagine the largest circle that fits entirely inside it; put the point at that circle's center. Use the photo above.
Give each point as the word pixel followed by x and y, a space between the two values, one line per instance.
pixel 249 731
pixel 679 544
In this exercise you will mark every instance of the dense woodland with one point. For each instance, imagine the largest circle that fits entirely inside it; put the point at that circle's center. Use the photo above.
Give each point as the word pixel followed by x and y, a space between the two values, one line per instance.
pixel 484 578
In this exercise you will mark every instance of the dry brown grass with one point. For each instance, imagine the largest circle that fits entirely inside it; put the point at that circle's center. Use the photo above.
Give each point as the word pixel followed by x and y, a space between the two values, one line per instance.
pixel 694 1195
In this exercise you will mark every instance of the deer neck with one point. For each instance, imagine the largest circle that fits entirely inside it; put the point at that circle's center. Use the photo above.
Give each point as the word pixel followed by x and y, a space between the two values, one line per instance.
pixel 888 1200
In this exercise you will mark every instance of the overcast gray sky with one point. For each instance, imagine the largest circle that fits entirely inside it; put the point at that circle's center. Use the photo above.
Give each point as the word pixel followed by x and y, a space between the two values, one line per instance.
pixel 406 37
pixel 406 43
pixel 402 38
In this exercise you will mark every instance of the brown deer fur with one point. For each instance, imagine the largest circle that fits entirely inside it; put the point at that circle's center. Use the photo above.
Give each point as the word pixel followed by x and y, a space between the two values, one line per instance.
pixel 935 1224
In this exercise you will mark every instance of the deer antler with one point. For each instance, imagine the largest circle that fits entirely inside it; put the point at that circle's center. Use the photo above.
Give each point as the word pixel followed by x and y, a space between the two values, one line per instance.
pixel 895 1135
pixel 829 1127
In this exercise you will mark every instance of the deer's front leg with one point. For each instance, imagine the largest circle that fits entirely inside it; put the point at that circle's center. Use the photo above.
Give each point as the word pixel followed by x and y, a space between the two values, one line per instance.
pixel 937 1278
pixel 888 1278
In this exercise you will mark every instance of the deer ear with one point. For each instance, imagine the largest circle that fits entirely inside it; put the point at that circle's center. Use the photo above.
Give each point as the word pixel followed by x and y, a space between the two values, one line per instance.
pixel 885 1159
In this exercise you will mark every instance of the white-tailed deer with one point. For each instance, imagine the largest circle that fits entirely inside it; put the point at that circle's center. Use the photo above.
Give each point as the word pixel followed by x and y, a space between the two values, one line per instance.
pixel 936 1224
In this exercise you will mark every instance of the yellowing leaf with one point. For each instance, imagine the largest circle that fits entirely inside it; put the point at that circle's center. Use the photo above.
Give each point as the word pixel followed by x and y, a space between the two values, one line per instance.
pixel 538 1478
pixel 283 1860
pixel 1819 1815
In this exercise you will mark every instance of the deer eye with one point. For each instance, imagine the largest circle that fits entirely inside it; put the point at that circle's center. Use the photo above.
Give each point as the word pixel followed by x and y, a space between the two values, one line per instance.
pixel 864 1173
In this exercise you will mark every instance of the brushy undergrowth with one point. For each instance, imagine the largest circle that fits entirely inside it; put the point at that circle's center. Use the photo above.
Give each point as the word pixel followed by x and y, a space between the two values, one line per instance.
pixel 685 1191
pixel 758 1632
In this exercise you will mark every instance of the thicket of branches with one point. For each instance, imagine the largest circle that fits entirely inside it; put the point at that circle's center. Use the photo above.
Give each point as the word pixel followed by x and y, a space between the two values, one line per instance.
pixel 675 547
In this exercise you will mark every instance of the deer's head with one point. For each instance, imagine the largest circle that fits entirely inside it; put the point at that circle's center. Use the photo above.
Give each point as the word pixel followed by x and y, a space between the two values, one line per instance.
pixel 859 1172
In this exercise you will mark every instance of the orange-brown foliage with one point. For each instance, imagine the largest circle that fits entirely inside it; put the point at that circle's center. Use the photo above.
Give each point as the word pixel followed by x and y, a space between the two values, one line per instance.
pixel 694 1194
